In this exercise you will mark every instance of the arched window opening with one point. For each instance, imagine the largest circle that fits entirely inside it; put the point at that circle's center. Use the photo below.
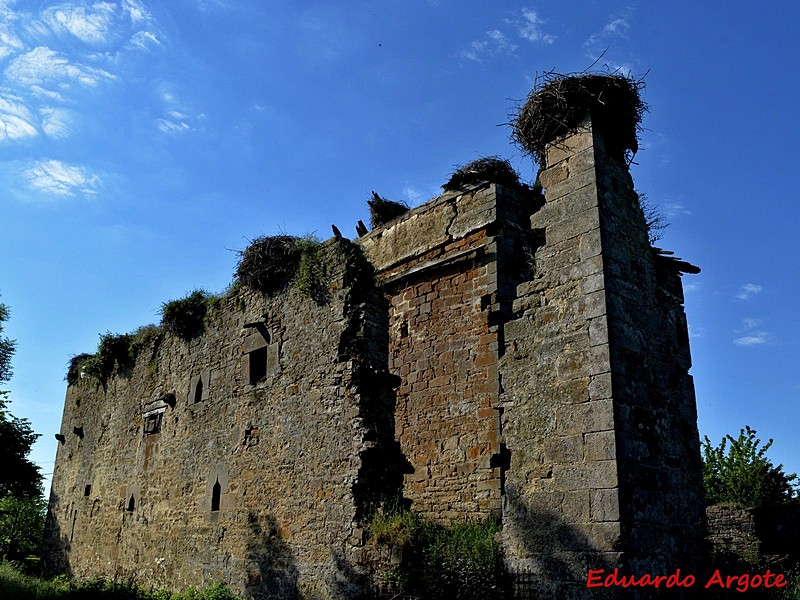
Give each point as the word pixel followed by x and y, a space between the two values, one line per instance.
pixel 216 494
pixel 131 504
pixel 198 391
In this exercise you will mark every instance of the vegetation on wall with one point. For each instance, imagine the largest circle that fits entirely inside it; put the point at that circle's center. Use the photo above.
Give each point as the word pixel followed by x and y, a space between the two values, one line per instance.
pixel 738 471
pixel 114 351
pixel 185 317
pixel 462 560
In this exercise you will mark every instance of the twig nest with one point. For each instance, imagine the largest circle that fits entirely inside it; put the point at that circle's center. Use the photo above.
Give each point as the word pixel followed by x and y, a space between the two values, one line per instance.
pixel 381 210
pixel 558 104
pixel 489 168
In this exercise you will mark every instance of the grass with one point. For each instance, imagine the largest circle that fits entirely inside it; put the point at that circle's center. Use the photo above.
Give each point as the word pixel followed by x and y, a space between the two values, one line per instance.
pixel 461 560
pixel 15 585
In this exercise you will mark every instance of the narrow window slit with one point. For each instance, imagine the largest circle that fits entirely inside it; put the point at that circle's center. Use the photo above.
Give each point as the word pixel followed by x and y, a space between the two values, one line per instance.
pixel 216 494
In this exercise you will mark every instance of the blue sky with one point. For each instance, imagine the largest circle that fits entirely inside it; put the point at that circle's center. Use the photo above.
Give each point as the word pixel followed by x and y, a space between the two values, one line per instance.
pixel 142 142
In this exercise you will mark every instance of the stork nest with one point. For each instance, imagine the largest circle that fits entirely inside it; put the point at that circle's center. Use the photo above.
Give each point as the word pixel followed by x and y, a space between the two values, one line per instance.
pixel 381 210
pixel 489 168
pixel 558 104
pixel 269 263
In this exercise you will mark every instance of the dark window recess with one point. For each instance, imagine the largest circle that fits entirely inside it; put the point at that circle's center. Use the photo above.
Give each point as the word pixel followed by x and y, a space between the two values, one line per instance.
pixel 87 490
pixel 216 494
pixel 258 364
pixel 152 423
pixel 198 391
pixel 131 504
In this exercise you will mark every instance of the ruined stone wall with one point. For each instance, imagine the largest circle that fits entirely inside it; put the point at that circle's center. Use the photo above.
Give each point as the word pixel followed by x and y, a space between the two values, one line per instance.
pixel 285 452
pixel 504 352
pixel 437 265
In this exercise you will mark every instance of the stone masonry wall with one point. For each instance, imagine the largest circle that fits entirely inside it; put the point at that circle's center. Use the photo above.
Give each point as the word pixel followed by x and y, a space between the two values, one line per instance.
pixel 599 414
pixel 286 453
pixel 562 512
pixel 438 269
pixel 658 446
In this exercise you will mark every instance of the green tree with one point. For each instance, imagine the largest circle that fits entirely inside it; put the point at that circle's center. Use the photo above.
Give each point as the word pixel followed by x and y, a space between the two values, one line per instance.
pixel 19 477
pixel 21 527
pixel 739 472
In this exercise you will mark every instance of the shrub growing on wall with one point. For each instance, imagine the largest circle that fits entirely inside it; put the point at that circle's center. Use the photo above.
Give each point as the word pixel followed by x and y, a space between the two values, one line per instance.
pixel 185 317
pixel 462 560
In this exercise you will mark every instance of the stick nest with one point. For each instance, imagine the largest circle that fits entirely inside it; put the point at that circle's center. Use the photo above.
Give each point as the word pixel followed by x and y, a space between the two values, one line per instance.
pixel 269 263
pixel 381 210
pixel 489 168
pixel 558 104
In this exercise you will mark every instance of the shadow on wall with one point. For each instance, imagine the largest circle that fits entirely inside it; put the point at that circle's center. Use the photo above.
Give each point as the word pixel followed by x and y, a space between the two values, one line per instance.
pixel 56 542
pixel 551 559
pixel 270 568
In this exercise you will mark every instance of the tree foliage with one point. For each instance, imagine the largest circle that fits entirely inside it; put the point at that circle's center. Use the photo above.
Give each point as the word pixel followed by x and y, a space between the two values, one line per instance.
pixel 19 476
pixel 21 527
pixel 738 471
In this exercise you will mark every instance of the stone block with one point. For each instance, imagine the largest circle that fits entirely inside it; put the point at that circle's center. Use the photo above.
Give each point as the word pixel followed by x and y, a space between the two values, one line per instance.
pixel 594 416
pixel 594 475
pixel 605 505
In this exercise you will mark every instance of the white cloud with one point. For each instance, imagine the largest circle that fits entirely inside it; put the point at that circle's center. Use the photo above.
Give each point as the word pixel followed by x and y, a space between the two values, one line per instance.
pixel 748 290
pixel 9 42
pixel 136 11
pixel 92 24
pixel 144 40
pixel 756 338
pixel 530 28
pixel 751 323
pixel 413 196
pixel 751 336
pixel 55 121
pixel 44 69
pixel 690 286
pixel 168 126
pixel 674 209
pixel 59 179
pixel 617 27
pixel 696 332
pixel 16 119
pixel 496 43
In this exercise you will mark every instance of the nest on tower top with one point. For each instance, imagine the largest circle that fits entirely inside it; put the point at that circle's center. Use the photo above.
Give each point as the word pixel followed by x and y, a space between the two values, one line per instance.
pixel 558 104
pixel 381 210
pixel 489 168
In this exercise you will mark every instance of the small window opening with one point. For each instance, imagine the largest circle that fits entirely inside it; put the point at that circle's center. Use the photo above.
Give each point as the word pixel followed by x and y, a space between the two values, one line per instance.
pixel 131 504
pixel 258 365
pixel 87 490
pixel 216 494
pixel 152 423
pixel 198 391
